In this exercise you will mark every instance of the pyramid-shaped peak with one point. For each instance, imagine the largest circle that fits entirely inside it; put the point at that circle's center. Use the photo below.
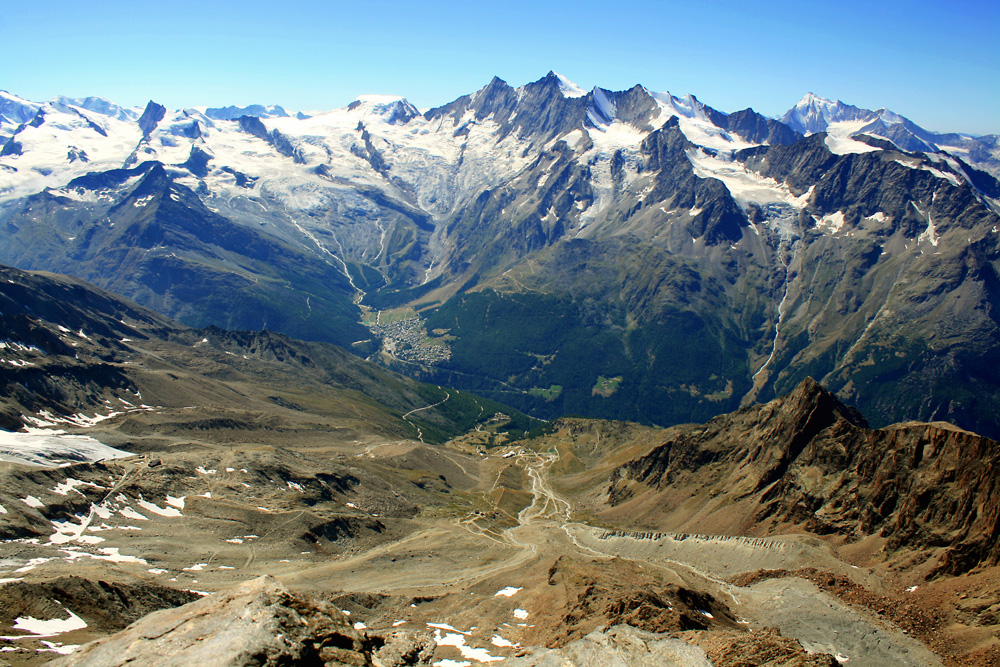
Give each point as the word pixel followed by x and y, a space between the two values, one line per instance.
pixel 810 397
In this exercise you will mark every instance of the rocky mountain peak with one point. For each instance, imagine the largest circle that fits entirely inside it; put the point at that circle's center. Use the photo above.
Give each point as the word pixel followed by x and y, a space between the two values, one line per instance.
pixel 809 397
pixel 233 112
pixel 815 114
pixel 151 117
pixel 392 109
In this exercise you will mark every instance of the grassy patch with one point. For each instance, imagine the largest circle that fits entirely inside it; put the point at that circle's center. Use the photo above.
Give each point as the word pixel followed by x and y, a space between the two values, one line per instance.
pixel 606 386
pixel 550 394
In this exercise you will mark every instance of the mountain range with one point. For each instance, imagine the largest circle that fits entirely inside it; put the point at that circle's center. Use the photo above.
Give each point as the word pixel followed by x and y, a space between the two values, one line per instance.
pixel 619 254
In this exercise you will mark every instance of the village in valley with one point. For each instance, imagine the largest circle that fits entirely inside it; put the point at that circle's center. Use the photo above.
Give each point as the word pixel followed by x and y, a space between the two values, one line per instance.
pixel 405 338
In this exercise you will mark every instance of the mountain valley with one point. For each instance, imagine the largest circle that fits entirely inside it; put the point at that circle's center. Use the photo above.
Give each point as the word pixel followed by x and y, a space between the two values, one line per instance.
pixel 542 376
pixel 788 529
pixel 544 237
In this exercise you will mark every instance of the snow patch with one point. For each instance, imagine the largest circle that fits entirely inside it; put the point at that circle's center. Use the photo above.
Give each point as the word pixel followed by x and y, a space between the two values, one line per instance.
pixel 54 450
pixel 70 484
pixel 506 592
pixel 842 145
pixel 458 641
pixel 156 509
pixel 130 513
pixel 50 627
pixel 32 501
pixel 831 223
pixel 568 88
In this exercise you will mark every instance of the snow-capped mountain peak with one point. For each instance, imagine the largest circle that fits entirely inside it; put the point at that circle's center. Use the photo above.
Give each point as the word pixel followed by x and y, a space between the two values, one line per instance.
pixel 815 114
pixel 392 109
pixel 14 110
pixel 567 87
pixel 99 105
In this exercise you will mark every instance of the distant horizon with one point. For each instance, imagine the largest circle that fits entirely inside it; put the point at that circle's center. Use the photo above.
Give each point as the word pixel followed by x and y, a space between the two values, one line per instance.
pixel 291 111
pixel 913 58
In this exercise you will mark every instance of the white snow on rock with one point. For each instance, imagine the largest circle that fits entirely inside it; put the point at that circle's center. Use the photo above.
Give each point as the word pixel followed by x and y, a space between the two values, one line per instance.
pixel 458 641
pixel 831 223
pixel 745 186
pixel 53 451
pixel 156 509
pixel 67 532
pixel 32 501
pixel 521 614
pixel 445 626
pixel 843 145
pixel 31 565
pixel 110 554
pixel 568 88
pixel 506 592
pixel 130 513
pixel 70 484
pixel 50 627
pixel 57 647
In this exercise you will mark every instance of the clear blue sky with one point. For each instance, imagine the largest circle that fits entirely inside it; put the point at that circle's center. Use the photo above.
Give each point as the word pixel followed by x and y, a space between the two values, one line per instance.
pixel 937 63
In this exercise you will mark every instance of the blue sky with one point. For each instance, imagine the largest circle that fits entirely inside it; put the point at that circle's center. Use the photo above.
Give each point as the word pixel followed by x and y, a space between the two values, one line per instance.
pixel 936 63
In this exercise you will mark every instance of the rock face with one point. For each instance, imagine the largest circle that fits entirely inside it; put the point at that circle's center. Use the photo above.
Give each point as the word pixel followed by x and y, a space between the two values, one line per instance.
pixel 258 623
pixel 108 606
pixel 809 460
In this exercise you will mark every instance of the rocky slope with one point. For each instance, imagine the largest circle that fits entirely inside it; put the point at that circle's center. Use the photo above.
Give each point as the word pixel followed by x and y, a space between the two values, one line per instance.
pixel 73 355
pixel 258 622
pixel 416 541
pixel 807 460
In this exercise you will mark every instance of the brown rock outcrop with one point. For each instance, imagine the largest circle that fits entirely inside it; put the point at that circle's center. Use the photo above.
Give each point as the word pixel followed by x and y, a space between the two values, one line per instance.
pixel 257 623
pixel 808 459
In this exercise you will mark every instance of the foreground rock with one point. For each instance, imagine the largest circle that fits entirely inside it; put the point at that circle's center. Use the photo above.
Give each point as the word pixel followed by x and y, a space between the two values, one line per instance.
pixel 258 623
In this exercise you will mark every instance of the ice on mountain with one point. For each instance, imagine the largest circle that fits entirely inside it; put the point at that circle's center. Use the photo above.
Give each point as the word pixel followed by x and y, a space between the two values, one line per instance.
pixel 844 145
pixel 568 88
